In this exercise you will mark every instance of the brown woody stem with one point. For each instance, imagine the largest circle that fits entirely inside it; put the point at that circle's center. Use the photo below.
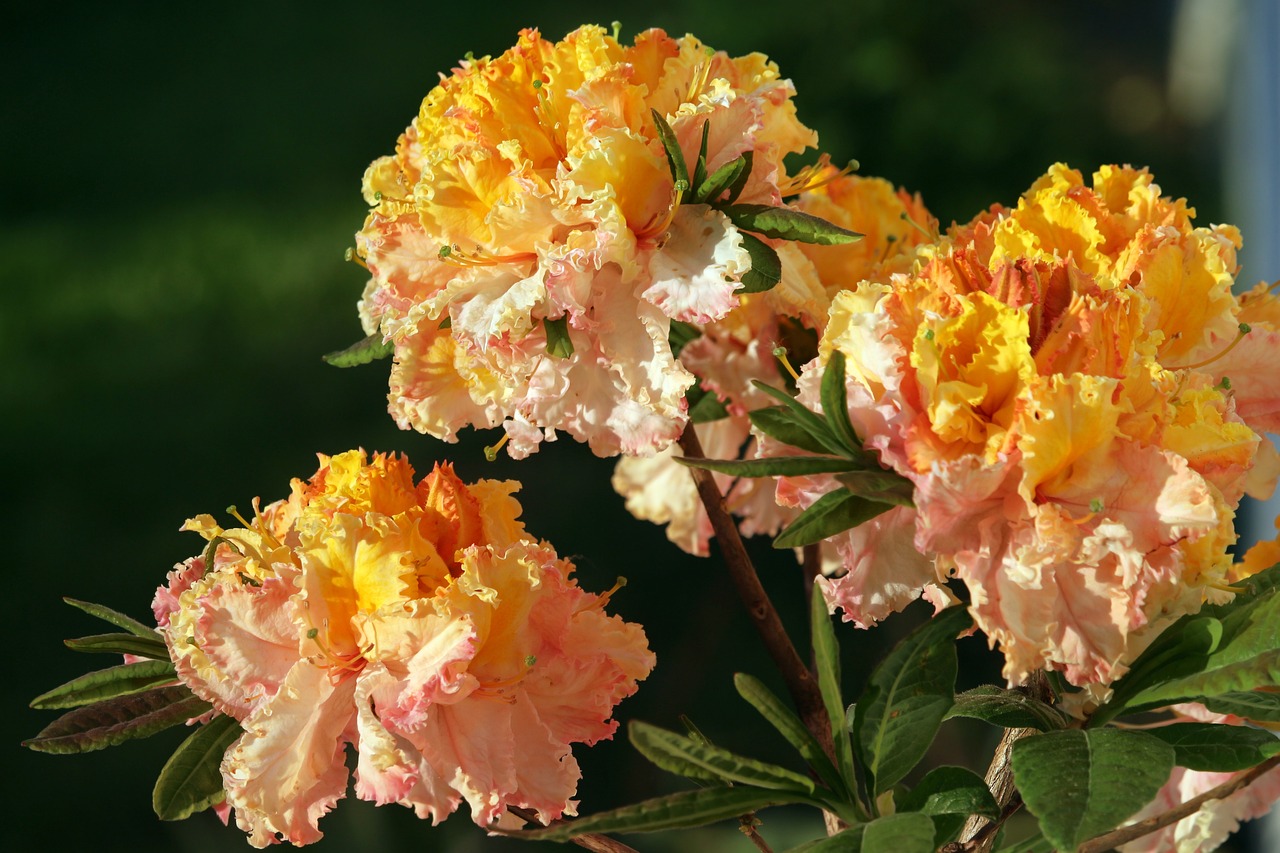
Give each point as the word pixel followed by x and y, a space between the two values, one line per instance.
pixel 591 841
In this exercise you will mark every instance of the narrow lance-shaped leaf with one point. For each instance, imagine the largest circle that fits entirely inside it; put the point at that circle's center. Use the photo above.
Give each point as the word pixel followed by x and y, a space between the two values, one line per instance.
pixel 675 157
pixel 370 349
pixel 826 659
pixel 191 779
pixel 1010 709
pixel 681 335
pixel 710 190
pixel 106 683
pixel 766 266
pixel 106 614
pixel 121 644
pixel 780 422
pixel 740 180
pixel 704 406
pixel 663 747
pixel 772 466
pixel 1251 705
pixel 675 811
pixel 834 512
pixel 1217 748
pixel 114 721
pixel 835 404
pixel 783 223
pixel 879 485
pixel 700 170
pixel 805 419
pixel 906 699
pixel 1082 783
pixel 790 727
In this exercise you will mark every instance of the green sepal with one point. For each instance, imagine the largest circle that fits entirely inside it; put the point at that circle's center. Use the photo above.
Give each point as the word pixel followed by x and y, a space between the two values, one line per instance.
pixel 817 428
pixel 681 335
pixel 675 157
pixel 559 344
pixel 1251 705
pixel 949 795
pixel 772 466
pixel 1081 783
pixel 792 728
pixel 780 422
pixel 830 514
pixel 766 266
pixel 106 614
pixel 710 190
pixel 674 811
pixel 1010 709
pixel 783 223
pixel 906 698
pixel 114 721
pixel 1217 748
pixel 107 683
pixel 370 349
pixel 191 780
pixel 121 644
pixel 687 757
pixel 826 661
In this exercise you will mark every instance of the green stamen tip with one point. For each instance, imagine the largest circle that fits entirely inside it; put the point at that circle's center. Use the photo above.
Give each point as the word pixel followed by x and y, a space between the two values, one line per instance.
pixel 537 84
pixel 928 334
pixel 617 30
pixel 1225 384
pixel 1245 328
pixel 491 454
pixel 469 56
pixel 779 352
pixel 1095 505
pixel 377 195
pixel 445 252
pixel 682 186
pixel 530 660
pixel 313 633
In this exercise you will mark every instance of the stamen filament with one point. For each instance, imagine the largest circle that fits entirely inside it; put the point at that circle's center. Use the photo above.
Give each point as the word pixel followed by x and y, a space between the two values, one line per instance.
pixel 1245 329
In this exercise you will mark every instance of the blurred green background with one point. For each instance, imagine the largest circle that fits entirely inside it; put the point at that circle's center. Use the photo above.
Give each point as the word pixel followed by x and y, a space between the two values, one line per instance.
pixel 180 183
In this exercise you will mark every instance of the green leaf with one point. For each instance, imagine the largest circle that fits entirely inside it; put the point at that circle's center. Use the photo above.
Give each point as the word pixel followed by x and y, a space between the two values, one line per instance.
pixel 950 795
pixel 106 614
pixel 826 660
pixel 700 170
pixel 681 335
pixel 898 833
pixel 766 266
pixel 710 190
pixel 704 406
pixel 106 683
pixel 121 644
pixel 1036 843
pixel 1082 783
pixel 790 727
pixel 740 182
pixel 1227 648
pixel 1011 709
pixel 771 466
pixel 783 223
pixel 1217 748
pixel 835 404
pixel 114 721
pixel 370 349
pixel 906 698
pixel 675 811
pixel 879 484
pixel 558 343
pixel 675 157
pixel 830 514
pixel 191 780
pixel 1252 705
pixel 805 419
pixel 674 752
pixel 780 422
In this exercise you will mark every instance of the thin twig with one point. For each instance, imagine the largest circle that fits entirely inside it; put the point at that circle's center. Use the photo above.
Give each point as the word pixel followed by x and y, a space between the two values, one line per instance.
pixel 591 841
pixel 747 826
pixel 1125 834
pixel 800 682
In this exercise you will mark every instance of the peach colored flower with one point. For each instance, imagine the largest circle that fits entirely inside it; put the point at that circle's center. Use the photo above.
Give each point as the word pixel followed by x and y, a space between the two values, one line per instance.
pixel 414 622
pixel 1058 381
pixel 530 209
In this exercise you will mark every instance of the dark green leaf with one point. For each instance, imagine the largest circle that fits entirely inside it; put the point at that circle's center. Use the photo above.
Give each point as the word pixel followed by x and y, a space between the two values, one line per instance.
pixel 675 811
pixel 906 699
pixel 370 349
pixel 1252 705
pixel 710 190
pixel 805 419
pixel 681 335
pixel 558 343
pixel 1036 843
pixel 950 795
pixel 674 752
pixel 1011 709
pixel 1217 748
pixel 790 727
pixel 114 721
pixel 826 660
pixel 899 833
pixel 766 266
pixel 121 644
pixel 106 614
pixel 191 779
pixel 830 514
pixel 879 484
pixel 1082 783
pixel 106 683
pixel 780 422
pixel 772 466
pixel 700 170
pixel 740 180
pixel 835 405
pixel 704 406
pixel 675 157
pixel 783 223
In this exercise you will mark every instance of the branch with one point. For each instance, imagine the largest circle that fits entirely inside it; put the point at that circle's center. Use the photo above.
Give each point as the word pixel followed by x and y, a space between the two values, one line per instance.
pixel 1125 834
pixel 799 680
pixel 591 841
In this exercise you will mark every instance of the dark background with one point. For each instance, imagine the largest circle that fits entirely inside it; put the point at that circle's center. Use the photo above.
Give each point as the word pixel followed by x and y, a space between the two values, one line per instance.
pixel 179 185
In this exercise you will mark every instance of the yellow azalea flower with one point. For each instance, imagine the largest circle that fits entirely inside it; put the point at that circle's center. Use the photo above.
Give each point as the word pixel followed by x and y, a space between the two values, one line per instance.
pixel 531 206
pixel 411 620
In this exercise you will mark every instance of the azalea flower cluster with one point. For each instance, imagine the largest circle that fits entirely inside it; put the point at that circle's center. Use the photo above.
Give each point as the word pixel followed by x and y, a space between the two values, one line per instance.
pixel 415 622
pixel 529 245
pixel 1078 401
